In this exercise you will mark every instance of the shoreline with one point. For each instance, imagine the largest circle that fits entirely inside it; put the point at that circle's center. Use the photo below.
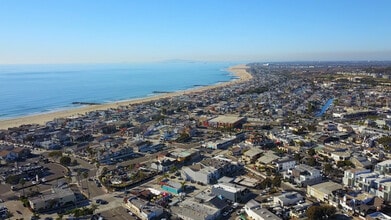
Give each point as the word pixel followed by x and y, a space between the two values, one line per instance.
pixel 239 71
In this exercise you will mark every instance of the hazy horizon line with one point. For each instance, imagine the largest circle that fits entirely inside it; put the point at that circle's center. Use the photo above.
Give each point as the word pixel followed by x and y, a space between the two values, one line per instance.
pixel 203 61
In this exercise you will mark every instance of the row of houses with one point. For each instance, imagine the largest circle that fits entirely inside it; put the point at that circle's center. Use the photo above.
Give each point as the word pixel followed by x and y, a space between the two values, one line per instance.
pixel 377 182
pixel 12 153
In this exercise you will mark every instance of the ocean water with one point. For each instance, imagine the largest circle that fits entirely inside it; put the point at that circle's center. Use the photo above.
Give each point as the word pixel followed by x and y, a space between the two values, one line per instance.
pixel 35 89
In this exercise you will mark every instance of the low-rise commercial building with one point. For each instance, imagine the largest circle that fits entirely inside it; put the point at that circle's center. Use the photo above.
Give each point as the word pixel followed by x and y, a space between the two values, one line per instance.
pixel 199 173
pixel 304 175
pixel 285 164
pixel 143 209
pixel 254 210
pixel 172 187
pixel 323 191
pixel 230 191
pixel 225 121
pixel 192 210
pixel 287 199
pixel 250 156
pixel 57 198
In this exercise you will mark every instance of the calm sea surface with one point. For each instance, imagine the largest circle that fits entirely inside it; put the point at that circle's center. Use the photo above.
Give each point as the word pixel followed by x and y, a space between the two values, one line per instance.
pixel 33 89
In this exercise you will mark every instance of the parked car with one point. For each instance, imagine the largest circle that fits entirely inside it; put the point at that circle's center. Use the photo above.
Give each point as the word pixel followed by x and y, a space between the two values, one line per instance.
pixel 101 201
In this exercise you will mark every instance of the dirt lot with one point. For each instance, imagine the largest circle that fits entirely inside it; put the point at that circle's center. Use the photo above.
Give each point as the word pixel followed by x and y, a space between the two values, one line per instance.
pixel 15 207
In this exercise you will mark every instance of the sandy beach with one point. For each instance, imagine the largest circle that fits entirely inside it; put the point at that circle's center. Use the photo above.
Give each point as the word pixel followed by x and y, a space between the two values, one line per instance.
pixel 239 70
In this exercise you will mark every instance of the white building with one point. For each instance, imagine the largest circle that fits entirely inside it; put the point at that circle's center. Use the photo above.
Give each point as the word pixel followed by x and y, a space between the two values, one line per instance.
pixel 199 173
pixel 287 199
pixel 371 182
pixel 383 167
pixel 304 175
pixel 324 191
pixel 285 164
pixel 230 191
pixel 350 176
pixel 254 210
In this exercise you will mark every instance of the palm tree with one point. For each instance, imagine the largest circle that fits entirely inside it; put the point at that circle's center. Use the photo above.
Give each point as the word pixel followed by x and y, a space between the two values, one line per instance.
pixel 38 189
pixel 22 181
pixel 131 167
pixel 94 207
pixel 104 170
pixel 78 176
pixel 60 216
pixel 173 169
pixel 85 175
pixel 183 183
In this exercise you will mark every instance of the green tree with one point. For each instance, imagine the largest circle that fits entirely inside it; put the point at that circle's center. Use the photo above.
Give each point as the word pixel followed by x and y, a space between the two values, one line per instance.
pixel 345 163
pixel 298 157
pixel 385 141
pixel 276 181
pixel 329 210
pixel 320 212
pixel 55 154
pixel 311 161
pixel 266 183
pixel 183 137
pixel 74 162
pixel 13 179
pixel 327 168
pixel 314 213
pixel 65 160
pixel 173 169
pixel 311 152
pixel 60 216
pixel 312 127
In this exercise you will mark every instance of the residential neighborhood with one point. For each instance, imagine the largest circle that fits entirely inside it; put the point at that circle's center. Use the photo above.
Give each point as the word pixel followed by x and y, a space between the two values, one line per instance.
pixel 297 141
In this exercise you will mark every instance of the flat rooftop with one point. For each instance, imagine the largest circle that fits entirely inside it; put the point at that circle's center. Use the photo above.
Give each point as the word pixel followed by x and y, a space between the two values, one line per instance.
pixel 327 187
pixel 226 119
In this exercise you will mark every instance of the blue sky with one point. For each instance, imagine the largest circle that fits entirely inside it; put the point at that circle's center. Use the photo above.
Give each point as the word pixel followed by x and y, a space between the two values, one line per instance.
pixel 98 31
